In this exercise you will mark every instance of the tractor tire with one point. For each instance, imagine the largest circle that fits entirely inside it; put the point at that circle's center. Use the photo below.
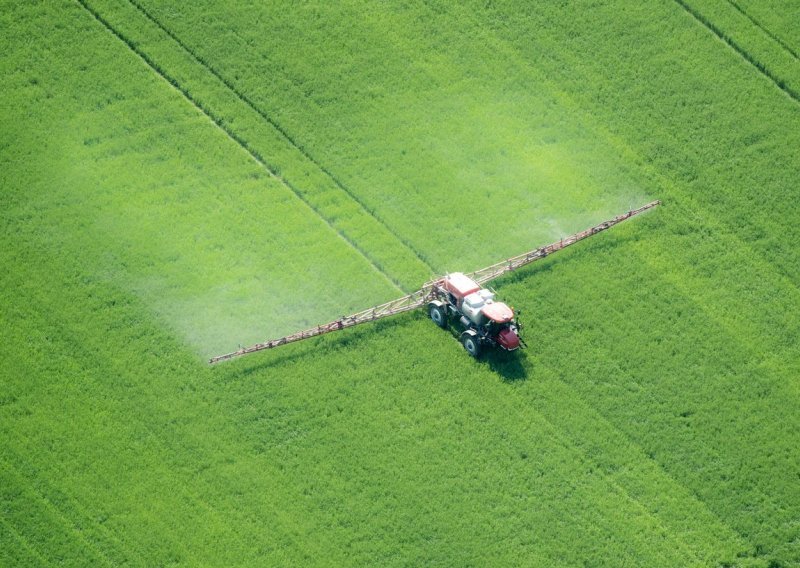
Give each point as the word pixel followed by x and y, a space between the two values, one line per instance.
pixel 471 344
pixel 438 315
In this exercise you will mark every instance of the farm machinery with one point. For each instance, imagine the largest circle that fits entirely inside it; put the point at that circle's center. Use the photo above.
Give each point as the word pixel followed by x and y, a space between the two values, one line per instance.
pixel 483 321
pixel 457 299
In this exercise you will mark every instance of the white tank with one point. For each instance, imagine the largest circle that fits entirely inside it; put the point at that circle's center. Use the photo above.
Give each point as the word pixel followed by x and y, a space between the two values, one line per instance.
pixel 487 295
pixel 474 302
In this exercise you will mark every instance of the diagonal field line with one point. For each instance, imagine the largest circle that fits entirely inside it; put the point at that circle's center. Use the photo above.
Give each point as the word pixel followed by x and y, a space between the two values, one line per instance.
pixel 709 25
pixel 78 515
pixel 254 154
pixel 68 524
pixel 765 29
pixel 615 484
pixel 626 150
pixel 282 131
pixel 24 542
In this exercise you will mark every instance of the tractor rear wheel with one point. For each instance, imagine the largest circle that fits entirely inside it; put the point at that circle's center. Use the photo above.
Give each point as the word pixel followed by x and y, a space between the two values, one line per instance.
pixel 471 344
pixel 438 315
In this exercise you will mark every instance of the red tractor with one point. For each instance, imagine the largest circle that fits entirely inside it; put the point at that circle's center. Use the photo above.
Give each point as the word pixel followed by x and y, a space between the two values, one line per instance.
pixel 484 321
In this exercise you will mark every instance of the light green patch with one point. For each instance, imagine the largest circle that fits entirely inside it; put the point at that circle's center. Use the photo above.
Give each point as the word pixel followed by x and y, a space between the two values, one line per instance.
pixel 466 151
pixel 175 210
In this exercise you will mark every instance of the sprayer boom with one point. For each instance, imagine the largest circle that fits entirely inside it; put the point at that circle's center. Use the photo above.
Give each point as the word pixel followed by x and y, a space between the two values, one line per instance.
pixel 434 289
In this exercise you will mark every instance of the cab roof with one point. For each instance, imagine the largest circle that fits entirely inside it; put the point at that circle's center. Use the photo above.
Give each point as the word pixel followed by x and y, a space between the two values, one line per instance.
pixel 460 284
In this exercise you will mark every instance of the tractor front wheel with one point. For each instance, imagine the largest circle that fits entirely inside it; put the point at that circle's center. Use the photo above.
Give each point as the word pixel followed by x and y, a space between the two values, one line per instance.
pixel 438 315
pixel 471 344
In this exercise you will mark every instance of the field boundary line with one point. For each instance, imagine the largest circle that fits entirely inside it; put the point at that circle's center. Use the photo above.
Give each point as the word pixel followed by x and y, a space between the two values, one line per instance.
pixel 743 53
pixel 765 29
pixel 281 130
pixel 241 142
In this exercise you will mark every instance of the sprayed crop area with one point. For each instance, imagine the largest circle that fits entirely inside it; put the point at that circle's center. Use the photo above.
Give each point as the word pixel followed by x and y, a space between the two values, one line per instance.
pixel 178 178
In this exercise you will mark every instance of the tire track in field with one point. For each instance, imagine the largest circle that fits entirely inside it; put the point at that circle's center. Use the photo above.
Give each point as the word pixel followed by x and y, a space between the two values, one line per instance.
pixel 49 492
pixel 254 154
pixel 83 350
pixel 68 525
pixel 766 30
pixel 743 53
pixel 283 132
pixel 627 151
pixel 632 470
pixel 666 274
pixel 615 485
pixel 24 542
pixel 550 406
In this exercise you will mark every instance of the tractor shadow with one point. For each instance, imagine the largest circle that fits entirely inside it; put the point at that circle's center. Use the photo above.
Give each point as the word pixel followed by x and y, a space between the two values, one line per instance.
pixel 508 365
pixel 504 363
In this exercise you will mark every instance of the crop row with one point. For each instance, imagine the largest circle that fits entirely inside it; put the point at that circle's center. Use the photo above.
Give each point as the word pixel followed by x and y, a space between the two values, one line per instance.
pixel 265 140
pixel 755 44
pixel 778 19
pixel 456 151
pixel 172 208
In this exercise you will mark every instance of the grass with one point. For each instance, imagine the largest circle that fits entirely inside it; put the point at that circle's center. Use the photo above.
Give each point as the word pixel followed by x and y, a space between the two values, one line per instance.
pixel 777 18
pixel 178 178
pixel 172 209
pixel 463 141
pixel 755 43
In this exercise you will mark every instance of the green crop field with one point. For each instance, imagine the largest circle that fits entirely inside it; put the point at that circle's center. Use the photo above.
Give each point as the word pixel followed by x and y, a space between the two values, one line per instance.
pixel 180 178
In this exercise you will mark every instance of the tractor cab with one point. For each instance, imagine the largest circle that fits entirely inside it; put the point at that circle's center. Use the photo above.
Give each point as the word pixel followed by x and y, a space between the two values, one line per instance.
pixel 459 286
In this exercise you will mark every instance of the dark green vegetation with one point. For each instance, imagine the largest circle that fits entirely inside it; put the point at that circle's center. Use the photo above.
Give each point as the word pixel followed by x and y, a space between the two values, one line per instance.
pixel 177 177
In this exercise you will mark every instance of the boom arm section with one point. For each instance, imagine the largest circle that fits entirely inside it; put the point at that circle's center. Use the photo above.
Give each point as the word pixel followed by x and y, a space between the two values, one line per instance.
pixel 428 291
pixel 496 270
pixel 398 306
